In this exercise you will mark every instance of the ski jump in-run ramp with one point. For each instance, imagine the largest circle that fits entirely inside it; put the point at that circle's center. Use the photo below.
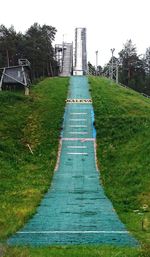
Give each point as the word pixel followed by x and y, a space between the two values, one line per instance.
pixel 75 210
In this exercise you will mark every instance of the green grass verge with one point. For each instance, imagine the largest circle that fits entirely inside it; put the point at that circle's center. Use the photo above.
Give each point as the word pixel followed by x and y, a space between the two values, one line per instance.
pixel 123 148
pixel 33 121
pixel 76 251
pixel 36 121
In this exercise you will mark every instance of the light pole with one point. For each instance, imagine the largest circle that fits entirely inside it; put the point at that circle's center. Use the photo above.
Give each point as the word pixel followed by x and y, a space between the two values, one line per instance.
pixel 148 61
pixel 112 62
pixel 96 61
pixel 62 61
pixel 117 70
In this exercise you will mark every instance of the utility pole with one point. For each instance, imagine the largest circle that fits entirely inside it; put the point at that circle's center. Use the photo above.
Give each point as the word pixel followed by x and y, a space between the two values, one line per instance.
pixel 112 62
pixel 148 61
pixel 96 61
pixel 7 54
pixel 117 71
pixel 62 54
pixel 109 70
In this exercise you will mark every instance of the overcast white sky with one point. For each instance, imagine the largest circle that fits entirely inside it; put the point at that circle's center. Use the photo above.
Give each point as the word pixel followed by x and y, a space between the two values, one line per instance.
pixel 109 23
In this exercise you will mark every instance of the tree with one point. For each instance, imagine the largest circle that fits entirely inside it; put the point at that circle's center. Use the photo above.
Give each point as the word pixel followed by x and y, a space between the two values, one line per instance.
pixel 8 39
pixel 99 70
pixel 91 69
pixel 48 33
pixel 131 71
pixel 35 45
pixel 146 61
pixel 39 49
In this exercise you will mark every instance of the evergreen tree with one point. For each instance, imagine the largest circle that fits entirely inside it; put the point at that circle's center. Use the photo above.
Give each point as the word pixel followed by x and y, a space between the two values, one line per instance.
pixel 91 69
pixel 131 71
pixel 8 40
pixel 35 45
pixel 146 61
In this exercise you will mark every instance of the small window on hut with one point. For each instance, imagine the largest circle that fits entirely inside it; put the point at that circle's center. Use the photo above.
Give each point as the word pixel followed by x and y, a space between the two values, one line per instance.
pixel 18 74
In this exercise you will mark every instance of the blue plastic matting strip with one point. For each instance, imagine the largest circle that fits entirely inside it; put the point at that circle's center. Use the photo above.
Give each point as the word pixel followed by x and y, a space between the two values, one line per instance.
pixel 75 210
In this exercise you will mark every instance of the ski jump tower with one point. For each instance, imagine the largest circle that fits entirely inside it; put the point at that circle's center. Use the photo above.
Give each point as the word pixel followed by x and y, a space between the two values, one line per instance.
pixel 64 58
pixel 64 55
pixel 80 67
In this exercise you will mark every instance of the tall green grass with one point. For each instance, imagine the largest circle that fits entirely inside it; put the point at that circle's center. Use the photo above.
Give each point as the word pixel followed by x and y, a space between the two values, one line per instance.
pixel 28 124
pixel 76 251
pixel 123 138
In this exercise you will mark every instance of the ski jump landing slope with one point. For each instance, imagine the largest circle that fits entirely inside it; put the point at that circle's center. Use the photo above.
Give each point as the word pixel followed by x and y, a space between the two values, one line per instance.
pixel 75 210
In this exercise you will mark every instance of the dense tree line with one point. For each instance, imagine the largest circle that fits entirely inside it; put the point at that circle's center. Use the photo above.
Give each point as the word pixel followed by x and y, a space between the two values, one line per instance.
pixel 35 45
pixel 134 69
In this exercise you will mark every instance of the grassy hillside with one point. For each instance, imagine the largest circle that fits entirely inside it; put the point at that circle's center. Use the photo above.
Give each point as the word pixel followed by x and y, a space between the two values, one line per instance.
pixel 28 122
pixel 122 122
pixel 123 138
